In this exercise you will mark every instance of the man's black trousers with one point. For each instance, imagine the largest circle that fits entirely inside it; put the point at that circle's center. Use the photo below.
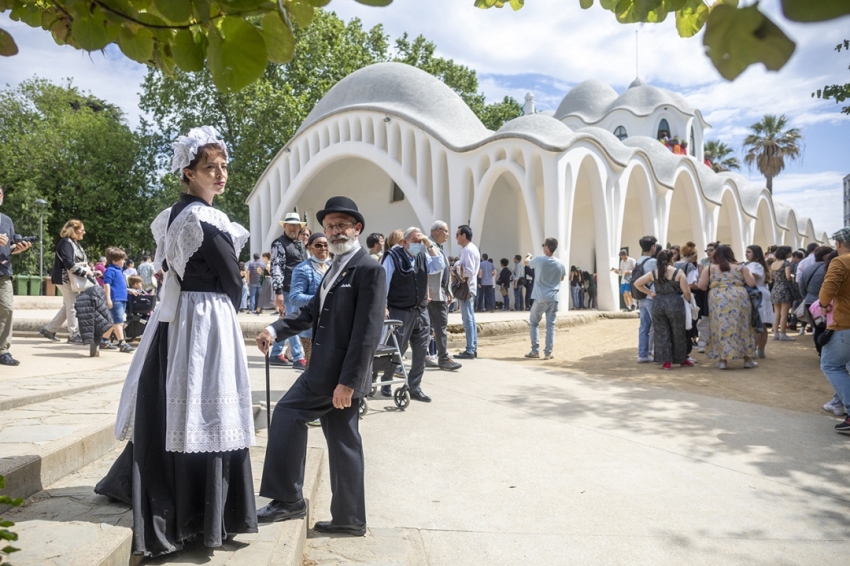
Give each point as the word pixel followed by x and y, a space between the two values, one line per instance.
pixel 286 455
pixel 416 331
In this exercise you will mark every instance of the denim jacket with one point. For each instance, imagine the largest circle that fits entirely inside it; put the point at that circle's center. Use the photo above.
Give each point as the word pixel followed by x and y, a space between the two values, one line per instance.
pixel 305 284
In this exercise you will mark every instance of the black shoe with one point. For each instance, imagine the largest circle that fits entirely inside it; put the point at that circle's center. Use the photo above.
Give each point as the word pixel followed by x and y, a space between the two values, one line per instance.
pixel 279 511
pixel 843 428
pixel 419 396
pixel 49 335
pixel 104 345
pixel 328 527
pixel 75 340
pixel 7 360
pixel 386 391
pixel 465 356
pixel 450 365
pixel 279 361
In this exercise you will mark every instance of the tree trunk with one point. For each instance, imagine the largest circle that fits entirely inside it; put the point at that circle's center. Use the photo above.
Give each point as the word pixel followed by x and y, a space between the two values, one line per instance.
pixel 770 185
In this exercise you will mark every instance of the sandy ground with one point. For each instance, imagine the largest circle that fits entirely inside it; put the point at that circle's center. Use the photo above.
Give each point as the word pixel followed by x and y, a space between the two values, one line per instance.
pixel 789 377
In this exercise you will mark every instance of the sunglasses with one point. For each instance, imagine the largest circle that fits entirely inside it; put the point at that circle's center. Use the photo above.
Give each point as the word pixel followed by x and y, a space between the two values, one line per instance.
pixel 320 246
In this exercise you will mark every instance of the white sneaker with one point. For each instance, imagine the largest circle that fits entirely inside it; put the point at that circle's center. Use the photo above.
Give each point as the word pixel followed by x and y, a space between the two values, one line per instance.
pixel 834 406
pixel 802 332
pixel 644 359
pixel 701 349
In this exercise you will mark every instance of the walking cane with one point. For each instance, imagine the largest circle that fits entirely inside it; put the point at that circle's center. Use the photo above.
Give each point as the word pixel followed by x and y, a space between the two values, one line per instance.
pixel 268 396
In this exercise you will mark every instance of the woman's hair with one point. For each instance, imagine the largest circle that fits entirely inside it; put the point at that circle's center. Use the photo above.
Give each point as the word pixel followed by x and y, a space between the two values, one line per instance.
pixel 395 237
pixel 822 251
pixel 504 262
pixel 267 255
pixel 758 257
pixel 204 153
pixel 69 228
pixel 664 258
pixel 798 254
pixel 114 254
pixel 688 249
pixel 782 252
pixel 829 257
pixel 723 257
pixel 303 230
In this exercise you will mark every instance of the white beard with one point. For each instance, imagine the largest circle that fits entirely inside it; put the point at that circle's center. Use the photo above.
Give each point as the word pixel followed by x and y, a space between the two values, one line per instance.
pixel 341 248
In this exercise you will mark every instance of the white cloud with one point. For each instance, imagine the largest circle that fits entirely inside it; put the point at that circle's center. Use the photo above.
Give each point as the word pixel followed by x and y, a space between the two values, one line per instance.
pixel 816 195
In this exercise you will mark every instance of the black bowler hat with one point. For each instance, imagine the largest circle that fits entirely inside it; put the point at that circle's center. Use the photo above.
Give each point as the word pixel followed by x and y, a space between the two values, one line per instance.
pixel 340 204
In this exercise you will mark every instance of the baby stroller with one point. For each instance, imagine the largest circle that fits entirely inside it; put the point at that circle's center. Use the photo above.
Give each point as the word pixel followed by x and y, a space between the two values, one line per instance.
pixel 139 309
pixel 388 354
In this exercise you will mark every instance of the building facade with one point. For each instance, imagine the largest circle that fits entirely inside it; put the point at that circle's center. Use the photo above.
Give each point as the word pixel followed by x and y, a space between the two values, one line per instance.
pixel 592 174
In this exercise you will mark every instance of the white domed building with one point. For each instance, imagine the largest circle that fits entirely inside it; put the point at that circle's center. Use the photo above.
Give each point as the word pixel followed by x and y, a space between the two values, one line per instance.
pixel 592 174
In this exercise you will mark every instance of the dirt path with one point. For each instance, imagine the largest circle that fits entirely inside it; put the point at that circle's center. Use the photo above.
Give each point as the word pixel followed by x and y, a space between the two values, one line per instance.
pixel 789 377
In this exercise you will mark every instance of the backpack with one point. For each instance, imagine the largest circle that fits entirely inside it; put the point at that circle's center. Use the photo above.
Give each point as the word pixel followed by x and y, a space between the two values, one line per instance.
pixel 637 273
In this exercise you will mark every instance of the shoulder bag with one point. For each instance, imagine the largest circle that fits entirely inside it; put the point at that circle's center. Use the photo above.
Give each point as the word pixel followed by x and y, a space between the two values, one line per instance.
pixel 77 283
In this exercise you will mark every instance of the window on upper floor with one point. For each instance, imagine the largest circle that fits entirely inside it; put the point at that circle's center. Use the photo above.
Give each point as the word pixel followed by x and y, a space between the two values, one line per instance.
pixel 397 194
pixel 663 129
pixel 621 133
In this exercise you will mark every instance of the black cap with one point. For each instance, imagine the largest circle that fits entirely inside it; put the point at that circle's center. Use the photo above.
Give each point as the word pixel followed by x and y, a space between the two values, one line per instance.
pixel 340 204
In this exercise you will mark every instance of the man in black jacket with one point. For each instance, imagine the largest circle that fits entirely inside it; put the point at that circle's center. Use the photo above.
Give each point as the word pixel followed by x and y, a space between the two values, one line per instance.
pixel 8 247
pixel 346 316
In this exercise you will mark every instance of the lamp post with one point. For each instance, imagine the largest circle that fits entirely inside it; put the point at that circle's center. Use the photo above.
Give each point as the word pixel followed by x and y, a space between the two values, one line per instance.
pixel 41 204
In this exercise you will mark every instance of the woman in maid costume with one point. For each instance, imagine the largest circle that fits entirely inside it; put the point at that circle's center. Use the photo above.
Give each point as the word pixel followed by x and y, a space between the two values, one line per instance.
pixel 186 403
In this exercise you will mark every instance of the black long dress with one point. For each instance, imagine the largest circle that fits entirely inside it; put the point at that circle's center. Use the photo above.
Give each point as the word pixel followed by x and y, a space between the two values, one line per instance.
pixel 180 496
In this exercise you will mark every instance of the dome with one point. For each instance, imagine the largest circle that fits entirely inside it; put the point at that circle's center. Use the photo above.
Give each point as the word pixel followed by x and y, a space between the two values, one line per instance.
pixel 636 82
pixel 405 91
pixel 545 130
pixel 643 100
pixel 587 100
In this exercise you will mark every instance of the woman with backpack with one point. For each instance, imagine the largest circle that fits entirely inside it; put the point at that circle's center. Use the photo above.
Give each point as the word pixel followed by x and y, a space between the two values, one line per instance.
pixel 668 310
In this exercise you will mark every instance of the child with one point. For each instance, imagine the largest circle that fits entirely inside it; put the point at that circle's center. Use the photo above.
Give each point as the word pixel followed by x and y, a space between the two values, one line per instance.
pixel 135 285
pixel 115 289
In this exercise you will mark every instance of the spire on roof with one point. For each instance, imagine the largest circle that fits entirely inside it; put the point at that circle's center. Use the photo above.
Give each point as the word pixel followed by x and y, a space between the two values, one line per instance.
pixel 636 82
pixel 528 108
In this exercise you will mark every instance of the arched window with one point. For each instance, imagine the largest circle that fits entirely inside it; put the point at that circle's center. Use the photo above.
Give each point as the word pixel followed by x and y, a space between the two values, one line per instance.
pixel 692 147
pixel 621 133
pixel 663 128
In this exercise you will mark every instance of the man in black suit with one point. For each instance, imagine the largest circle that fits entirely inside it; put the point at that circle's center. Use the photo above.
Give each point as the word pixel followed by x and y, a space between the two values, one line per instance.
pixel 346 315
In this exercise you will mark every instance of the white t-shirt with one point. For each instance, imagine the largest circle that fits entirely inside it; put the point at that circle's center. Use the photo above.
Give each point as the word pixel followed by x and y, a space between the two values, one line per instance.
pixel 470 259
pixel 626 265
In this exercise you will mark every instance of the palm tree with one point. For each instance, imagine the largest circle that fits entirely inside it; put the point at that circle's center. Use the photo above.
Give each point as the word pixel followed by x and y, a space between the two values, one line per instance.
pixel 768 146
pixel 718 153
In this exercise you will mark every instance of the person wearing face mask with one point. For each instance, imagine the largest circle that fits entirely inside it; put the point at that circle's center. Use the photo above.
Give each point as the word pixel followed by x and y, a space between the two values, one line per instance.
pixel 407 266
pixel 306 278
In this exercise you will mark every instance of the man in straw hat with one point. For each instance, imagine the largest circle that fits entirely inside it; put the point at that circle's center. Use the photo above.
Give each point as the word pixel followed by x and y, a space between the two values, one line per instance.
pixel 347 316
pixel 287 252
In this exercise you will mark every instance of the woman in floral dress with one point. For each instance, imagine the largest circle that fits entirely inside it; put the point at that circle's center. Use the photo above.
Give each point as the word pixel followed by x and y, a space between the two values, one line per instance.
pixel 730 330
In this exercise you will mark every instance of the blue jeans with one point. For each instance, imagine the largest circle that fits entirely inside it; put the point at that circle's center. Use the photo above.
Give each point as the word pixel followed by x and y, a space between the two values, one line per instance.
pixel 294 342
pixel 506 299
pixel 834 358
pixel 244 304
pixel 489 303
pixel 550 308
pixel 645 327
pixel 518 306
pixel 467 312
pixel 254 296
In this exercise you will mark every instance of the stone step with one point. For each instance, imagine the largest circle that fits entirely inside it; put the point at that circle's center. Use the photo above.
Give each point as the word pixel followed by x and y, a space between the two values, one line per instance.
pixel 68 524
pixel 43 442
pixel 29 390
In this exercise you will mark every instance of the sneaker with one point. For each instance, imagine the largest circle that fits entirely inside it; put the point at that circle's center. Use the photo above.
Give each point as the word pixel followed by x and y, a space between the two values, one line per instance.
pixel 386 391
pixel 431 363
pixel 104 345
pixel 692 360
pixel 802 332
pixel 533 354
pixel 633 307
pixel 315 422
pixel 300 365
pixel 835 406
pixel 750 364
pixel 722 365
pixel 7 360
pixel 761 352
pixel 126 348
pixel 548 357
pixel 644 359
pixel 279 361
pixel 687 363
pixel 786 338
pixel 450 365
pixel 75 340
pixel 465 356
pixel 843 428
pixel 668 365
pixel 776 336
pixel 49 335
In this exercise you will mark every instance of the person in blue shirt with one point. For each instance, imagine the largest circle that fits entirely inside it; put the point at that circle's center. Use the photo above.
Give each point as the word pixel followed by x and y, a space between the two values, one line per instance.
pixel 115 289
pixel 549 271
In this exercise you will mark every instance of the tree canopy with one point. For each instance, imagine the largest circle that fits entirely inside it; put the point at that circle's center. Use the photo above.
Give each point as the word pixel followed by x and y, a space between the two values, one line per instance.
pixel 839 93
pixel 768 146
pixel 720 156
pixel 735 36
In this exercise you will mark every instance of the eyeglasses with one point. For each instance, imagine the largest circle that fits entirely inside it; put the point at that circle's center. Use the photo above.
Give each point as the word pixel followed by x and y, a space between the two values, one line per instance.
pixel 341 227
pixel 709 251
pixel 320 246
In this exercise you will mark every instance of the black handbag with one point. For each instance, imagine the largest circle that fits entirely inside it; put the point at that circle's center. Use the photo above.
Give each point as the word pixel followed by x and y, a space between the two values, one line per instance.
pixel 825 337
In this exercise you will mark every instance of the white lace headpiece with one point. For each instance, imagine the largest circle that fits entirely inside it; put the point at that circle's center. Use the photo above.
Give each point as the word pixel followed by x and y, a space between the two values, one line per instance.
pixel 186 147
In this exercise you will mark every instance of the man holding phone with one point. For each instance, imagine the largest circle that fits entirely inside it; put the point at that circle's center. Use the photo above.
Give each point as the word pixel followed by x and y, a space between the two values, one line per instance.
pixel 7 248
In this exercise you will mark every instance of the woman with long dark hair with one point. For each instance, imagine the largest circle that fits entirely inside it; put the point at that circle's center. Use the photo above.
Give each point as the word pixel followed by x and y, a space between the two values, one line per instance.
pixel 186 404
pixel 757 266
pixel 668 310
pixel 730 324
pixel 780 294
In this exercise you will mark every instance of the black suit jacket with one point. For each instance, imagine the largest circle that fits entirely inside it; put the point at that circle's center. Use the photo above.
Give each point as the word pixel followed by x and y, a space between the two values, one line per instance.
pixel 347 331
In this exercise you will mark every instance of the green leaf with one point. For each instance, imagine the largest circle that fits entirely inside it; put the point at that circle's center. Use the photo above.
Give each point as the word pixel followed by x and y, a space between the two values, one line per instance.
pixel 737 38
pixel 7 44
pixel 89 30
pixel 609 5
pixel 239 57
pixel 188 54
pixel 517 4
pixel 375 2
pixel 691 18
pixel 138 45
pixel 321 3
pixel 280 42
pixel 585 4
pixel 301 11
pixel 177 11
pixel 814 10
pixel 674 5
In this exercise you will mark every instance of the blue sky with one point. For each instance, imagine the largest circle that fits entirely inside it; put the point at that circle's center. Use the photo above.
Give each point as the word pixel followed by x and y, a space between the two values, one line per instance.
pixel 551 45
